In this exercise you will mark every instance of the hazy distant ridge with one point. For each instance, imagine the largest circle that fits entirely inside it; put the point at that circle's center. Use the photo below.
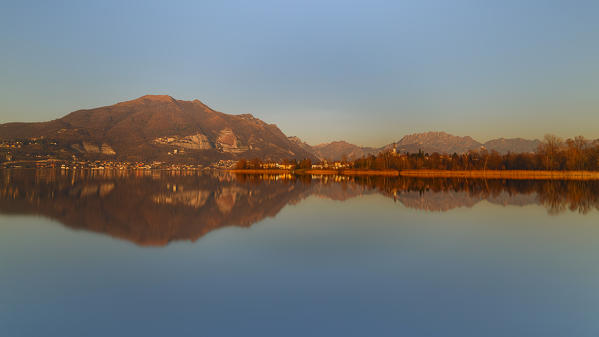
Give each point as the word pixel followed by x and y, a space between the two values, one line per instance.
pixel 429 142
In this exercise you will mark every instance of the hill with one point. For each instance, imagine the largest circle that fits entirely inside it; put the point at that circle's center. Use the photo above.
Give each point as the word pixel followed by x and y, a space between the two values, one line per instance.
pixel 154 127
pixel 430 142
pixel 339 150
pixel 513 145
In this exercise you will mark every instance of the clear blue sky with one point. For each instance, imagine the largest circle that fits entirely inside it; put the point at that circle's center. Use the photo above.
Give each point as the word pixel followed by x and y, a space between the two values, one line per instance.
pixel 365 71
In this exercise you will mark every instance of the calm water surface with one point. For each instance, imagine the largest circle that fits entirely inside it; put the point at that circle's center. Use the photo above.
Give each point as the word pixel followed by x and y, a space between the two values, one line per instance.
pixel 164 254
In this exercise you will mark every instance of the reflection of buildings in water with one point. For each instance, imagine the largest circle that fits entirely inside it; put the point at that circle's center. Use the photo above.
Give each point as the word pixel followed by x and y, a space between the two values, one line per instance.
pixel 154 208
pixel 193 198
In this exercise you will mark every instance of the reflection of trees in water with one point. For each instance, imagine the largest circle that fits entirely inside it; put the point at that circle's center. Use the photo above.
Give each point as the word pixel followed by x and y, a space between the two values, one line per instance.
pixel 556 196
pixel 579 196
pixel 154 207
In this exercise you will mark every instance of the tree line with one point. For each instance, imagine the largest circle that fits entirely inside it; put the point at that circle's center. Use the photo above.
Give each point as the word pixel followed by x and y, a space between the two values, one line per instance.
pixel 552 154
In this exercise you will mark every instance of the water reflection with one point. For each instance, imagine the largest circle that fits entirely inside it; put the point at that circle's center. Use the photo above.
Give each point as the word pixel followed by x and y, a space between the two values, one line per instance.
pixel 444 194
pixel 157 207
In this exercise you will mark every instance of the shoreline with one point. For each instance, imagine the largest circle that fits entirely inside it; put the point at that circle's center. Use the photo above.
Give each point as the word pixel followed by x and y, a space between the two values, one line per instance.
pixel 473 174
pixel 417 173
pixel 299 172
pixel 259 171
pixel 504 174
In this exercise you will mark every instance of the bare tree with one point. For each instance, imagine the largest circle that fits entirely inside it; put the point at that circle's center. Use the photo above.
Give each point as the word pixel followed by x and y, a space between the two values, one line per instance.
pixel 549 150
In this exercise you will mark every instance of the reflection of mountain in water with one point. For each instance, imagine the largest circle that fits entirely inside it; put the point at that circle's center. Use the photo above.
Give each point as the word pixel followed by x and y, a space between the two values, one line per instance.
pixel 436 201
pixel 148 210
pixel 154 208
pixel 447 200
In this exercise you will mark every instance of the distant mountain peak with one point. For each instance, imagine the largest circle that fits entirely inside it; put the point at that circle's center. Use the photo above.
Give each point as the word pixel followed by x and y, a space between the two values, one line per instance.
pixel 335 142
pixel 435 141
pixel 341 149
pixel 156 98
pixel 433 135
pixel 514 145
pixel 148 100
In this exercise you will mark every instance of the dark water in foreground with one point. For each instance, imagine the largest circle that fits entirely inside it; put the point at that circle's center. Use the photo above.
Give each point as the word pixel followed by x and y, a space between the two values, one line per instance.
pixel 160 254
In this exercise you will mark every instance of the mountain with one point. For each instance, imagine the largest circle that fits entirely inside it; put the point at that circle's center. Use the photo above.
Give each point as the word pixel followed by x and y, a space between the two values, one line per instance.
pixel 297 141
pixel 155 127
pixel 339 150
pixel 336 150
pixel 514 145
pixel 430 142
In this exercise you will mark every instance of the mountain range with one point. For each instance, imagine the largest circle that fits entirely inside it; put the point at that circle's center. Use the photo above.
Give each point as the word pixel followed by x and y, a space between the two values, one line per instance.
pixel 161 128
pixel 428 142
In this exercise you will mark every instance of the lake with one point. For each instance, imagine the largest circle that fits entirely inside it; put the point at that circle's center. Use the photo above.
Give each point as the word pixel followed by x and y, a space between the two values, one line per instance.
pixel 161 253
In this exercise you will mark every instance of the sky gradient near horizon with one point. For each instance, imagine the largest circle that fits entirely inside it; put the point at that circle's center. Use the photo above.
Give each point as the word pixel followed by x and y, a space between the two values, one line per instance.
pixel 367 72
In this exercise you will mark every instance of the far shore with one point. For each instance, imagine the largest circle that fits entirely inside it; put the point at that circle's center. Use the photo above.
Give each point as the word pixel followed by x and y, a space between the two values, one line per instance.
pixel 260 171
pixel 346 172
pixel 473 174
pixel 504 174
pixel 417 173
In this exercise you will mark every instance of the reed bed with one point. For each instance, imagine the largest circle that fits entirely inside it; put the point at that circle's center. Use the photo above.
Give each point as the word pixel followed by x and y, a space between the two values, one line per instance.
pixel 504 174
